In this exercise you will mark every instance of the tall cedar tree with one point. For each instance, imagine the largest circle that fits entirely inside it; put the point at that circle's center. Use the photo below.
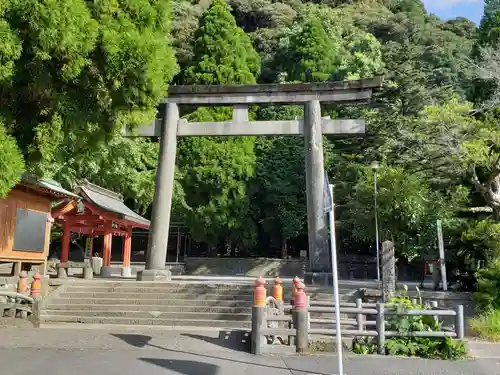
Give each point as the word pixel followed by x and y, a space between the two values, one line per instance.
pixel 313 53
pixel 216 171
pixel 223 53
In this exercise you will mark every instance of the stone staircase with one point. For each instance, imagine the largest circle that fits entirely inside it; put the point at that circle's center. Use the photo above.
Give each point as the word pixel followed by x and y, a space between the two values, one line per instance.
pixel 200 304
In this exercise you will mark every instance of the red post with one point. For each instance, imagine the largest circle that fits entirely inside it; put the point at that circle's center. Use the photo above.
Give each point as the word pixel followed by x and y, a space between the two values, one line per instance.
pixel 36 286
pixel 22 283
pixel 260 292
pixel 300 296
pixel 127 247
pixel 65 241
pixel 278 289
pixel 108 238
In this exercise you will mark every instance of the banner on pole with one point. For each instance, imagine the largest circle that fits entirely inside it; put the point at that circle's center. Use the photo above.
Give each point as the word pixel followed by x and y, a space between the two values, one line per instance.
pixel 327 197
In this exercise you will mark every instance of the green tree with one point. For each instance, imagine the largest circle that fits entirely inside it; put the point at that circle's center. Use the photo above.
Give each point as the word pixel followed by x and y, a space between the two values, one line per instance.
pixel 223 53
pixel 215 172
pixel 280 201
pixel 11 162
pixel 312 54
pixel 85 71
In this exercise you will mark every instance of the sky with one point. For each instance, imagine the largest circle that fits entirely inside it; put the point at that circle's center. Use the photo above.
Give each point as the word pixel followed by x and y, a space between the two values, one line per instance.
pixel 446 9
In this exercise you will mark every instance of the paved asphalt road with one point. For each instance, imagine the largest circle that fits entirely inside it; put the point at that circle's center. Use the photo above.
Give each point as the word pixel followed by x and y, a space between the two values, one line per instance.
pixel 152 352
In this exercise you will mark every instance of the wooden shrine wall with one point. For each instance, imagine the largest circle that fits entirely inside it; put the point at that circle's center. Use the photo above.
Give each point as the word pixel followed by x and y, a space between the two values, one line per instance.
pixel 28 212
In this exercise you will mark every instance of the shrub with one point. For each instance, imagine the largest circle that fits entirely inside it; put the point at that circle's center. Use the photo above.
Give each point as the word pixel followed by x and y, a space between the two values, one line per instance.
pixel 423 347
pixel 487 325
pixel 488 287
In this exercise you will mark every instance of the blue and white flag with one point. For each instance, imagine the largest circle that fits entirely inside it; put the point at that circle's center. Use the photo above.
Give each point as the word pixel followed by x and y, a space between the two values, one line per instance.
pixel 327 198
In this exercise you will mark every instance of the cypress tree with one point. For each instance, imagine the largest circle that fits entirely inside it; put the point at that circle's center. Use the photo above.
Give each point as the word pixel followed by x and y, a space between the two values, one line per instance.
pixel 223 53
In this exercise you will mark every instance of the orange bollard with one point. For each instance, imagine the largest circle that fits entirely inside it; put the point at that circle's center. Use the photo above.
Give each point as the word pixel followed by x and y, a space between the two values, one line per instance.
pixel 22 284
pixel 259 294
pixel 296 280
pixel 278 289
pixel 300 297
pixel 36 286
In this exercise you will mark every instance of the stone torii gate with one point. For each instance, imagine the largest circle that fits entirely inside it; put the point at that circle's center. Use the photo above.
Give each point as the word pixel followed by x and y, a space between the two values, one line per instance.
pixel 312 127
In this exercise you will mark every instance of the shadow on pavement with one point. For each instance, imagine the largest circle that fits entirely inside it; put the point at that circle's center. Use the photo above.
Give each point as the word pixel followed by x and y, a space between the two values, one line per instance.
pixel 142 341
pixel 184 367
pixel 230 339
pixel 139 341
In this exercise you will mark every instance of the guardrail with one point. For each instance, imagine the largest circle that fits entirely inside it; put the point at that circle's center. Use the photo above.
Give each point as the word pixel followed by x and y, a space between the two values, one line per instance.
pixel 270 320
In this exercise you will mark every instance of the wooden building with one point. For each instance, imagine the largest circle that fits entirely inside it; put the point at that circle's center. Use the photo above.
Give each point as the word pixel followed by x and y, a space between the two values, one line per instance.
pixel 98 212
pixel 25 221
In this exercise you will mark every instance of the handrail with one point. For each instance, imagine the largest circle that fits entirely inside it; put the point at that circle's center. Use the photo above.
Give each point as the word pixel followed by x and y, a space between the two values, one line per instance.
pixel 6 293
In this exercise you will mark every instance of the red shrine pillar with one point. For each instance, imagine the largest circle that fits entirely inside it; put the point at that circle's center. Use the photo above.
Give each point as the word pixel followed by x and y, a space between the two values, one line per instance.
pixel 65 241
pixel 127 251
pixel 106 249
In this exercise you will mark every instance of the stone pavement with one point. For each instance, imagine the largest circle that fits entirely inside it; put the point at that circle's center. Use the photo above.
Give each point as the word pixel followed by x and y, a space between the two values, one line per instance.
pixel 147 351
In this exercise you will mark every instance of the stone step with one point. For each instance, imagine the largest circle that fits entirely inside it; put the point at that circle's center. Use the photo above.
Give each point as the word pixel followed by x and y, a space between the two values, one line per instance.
pixel 213 309
pixel 153 314
pixel 186 322
pixel 153 301
pixel 184 288
pixel 158 296
pixel 156 289
pixel 127 288
pixel 181 295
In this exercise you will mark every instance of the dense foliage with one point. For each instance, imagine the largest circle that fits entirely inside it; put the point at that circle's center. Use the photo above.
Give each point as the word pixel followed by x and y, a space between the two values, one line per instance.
pixel 74 73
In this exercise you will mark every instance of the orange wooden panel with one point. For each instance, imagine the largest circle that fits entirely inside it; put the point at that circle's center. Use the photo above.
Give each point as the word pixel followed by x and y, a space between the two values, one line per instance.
pixel 18 198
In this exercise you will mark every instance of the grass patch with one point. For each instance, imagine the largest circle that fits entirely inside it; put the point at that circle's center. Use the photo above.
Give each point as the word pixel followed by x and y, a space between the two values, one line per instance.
pixel 487 325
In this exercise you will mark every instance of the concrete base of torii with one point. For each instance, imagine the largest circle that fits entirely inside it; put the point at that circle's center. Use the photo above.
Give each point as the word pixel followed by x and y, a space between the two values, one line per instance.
pixel 154 275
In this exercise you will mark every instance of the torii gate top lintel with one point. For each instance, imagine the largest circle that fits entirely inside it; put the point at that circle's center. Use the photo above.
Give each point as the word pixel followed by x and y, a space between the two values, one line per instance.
pixel 286 93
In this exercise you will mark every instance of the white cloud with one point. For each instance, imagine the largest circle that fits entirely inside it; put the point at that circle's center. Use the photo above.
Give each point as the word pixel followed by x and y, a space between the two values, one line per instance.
pixel 448 3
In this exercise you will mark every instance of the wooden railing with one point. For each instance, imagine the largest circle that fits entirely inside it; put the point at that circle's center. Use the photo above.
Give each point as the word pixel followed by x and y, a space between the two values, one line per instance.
pixel 272 322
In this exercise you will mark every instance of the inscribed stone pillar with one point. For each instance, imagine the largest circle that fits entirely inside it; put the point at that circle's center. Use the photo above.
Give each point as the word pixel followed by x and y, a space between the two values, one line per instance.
pixel 388 270
pixel 162 204
pixel 319 258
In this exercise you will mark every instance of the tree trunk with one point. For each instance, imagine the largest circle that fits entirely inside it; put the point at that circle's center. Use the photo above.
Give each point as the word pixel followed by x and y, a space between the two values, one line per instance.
pixel 490 191
pixel 284 248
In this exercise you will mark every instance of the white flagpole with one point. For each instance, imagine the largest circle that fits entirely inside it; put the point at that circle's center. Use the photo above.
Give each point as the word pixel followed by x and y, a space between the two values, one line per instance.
pixel 335 276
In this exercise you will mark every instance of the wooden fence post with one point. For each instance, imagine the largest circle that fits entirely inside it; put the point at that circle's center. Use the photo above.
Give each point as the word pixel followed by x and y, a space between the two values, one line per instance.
pixel 380 328
pixel 459 322
pixel 359 316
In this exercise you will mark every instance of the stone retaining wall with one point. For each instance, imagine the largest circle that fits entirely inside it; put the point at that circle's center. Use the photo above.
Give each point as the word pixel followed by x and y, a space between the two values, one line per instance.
pixel 253 267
